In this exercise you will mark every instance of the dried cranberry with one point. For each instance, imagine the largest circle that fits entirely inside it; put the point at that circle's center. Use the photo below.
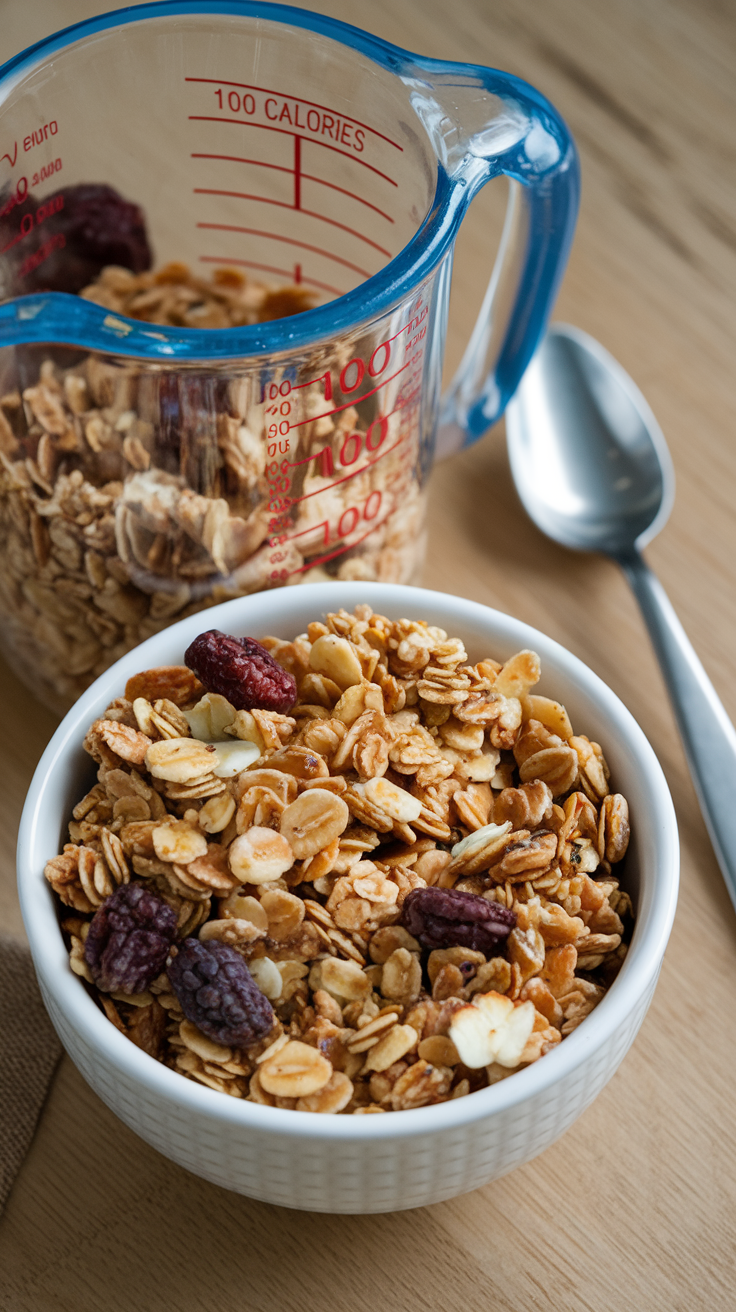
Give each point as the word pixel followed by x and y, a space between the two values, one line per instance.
pixel 447 917
pixel 129 939
pixel 217 992
pixel 83 228
pixel 241 670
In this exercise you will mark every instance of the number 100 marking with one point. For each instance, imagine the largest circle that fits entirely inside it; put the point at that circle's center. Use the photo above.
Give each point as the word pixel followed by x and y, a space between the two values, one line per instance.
pixel 347 525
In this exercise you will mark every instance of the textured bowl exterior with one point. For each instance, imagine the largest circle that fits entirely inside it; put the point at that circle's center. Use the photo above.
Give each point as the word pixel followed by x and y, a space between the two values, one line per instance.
pixel 373 1175
pixel 399 1159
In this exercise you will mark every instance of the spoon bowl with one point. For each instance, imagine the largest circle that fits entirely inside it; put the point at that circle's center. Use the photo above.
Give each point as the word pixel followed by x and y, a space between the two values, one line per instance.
pixel 593 472
pixel 588 457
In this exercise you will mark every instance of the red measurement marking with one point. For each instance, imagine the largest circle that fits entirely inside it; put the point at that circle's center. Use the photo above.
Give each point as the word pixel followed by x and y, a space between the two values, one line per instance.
pixel 290 241
pixel 239 159
pixel 315 141
pixel 245 86
pixel 320 560
pixel 353 400
pixel 335 482
pixel 270 268
pixel 309 177
pixel 323 183
pixel 285 205
pixel 303 532
pixel 297 172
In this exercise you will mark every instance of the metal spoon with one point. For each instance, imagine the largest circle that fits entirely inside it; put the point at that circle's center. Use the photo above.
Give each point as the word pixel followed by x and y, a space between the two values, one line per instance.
pixel 593 472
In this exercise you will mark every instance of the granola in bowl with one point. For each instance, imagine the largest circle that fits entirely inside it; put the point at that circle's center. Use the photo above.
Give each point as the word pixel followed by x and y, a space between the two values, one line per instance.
pixel 351 873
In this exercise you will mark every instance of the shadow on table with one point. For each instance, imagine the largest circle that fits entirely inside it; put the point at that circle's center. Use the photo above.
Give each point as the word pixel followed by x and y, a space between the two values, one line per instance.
pixel 97 1218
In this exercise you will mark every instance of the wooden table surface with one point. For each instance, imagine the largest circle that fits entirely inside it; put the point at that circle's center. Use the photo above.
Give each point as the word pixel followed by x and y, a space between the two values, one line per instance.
pixel 634 1208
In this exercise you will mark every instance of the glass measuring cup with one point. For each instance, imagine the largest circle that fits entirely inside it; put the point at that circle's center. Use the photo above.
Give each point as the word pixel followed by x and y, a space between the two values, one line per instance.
pixel 150 469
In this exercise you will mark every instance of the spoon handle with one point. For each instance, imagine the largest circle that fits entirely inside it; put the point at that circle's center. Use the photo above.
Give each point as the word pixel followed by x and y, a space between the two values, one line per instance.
pixel 708 735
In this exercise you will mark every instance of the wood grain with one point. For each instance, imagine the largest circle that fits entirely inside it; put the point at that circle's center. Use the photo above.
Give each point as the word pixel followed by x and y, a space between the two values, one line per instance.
pixel 634 1208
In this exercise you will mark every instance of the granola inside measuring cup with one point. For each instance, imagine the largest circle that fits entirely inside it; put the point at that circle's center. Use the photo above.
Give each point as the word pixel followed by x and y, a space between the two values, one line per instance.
pixel 132 495
pixel 394 892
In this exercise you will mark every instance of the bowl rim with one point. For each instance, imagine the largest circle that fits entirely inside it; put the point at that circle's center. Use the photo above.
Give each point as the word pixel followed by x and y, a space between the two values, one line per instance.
pixel 634 982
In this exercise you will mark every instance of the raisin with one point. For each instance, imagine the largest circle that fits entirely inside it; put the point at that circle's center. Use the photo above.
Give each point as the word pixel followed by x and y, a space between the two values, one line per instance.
pixel 447 917
pixel 218 994
pixel 189 405
pixel 129 939
pixel 241 670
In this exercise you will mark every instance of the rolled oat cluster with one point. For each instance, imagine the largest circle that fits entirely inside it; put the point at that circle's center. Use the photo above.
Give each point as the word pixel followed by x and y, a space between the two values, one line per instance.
pixel 134 494
pixel 394 892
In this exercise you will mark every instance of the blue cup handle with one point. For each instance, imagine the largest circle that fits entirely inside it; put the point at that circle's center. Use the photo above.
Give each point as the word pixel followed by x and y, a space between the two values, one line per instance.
pixel 485 123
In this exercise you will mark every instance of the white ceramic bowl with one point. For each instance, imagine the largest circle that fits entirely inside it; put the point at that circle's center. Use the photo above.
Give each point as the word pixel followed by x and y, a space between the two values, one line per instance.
pixel 365 1163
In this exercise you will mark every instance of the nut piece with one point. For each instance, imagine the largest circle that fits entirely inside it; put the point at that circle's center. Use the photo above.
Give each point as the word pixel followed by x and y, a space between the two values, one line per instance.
pixel 180 760
pixel 231 931
pixel 491 1028
pixel 295 1071
pixel 336 657
pixel 447 917
pixel 231 758
pixel 259 856
pixel 313 821
pixel 209 719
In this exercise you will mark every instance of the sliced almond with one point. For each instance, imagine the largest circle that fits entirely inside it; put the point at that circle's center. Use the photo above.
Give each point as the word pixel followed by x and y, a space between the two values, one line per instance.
pixel 209 719
pixel 180 760
pixel 337 658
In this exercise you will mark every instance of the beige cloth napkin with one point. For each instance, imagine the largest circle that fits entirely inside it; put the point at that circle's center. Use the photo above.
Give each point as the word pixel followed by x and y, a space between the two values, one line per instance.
pixel 29 1052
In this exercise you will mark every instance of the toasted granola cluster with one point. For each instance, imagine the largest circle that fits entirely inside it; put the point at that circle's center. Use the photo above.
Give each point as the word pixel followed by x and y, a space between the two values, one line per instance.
pixel 175 296
pixel 135 494
pixel 396 894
